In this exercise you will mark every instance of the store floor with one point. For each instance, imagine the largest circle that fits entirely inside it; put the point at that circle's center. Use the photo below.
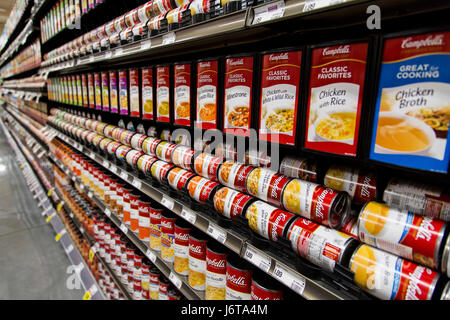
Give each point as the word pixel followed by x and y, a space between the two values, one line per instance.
pixel 32 264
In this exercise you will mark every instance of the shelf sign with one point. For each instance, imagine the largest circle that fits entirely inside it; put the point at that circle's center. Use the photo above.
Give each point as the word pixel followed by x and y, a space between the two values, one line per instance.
pixel 258 259
pixel 113 169
pixel 168 38
pixel 293 281
pixel 107 212
pixel 175 280
pixel 69 249
pixel 136 183
pixel 189 216
pixel 124 175
pixel 151 255
pixel 317 4
pixel 217 233
pixel 124 228
pixel 105 163
pixel 90 194
pixel 270 11
pixel 146 44
pixel 168 203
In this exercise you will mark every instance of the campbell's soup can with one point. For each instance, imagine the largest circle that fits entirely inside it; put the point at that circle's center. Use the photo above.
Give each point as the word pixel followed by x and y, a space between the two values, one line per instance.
pixel 320 245
pixel 145 278
pixel 234 175
pixel 164 151
pixel 403 233
pixel 266 185
pixel 149 145
pixel 216 262
pixel 202 189
pixel 300 168
pixel 181 247
pixel 350 227
pixel 167 236
pixel 267 220
pixel 112 147
pixel 154 274
pixel 197 260
pixel 178 178
pixel 419 198
pixel 231 203
pixel 155 227
pixel 159 170
pixel 183 156
pixel 134 211
pixel 239 279
pixel 207 165
pixel 315 202
pixel 144 219
pixel 360 185
pixel 389 277
pixel 137 140
pixel 121 152
pixel 445 264
pixel 132 157
pixel 126 210
pixel 265 288
pixel 126 136
pixel 144 163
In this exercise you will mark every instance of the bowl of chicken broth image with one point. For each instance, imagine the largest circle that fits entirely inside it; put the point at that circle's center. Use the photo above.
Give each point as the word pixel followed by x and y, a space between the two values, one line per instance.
pixel 398 133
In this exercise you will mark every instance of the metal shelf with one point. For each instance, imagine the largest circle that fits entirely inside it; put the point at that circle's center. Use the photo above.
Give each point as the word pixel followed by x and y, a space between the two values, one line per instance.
pixel 82 270
pixel 315 289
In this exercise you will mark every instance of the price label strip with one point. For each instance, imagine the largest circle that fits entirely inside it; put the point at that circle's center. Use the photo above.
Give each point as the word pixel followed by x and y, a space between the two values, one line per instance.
pixel 261 261
pixel 151 255
pixel 175 280
pixel 107 212
pixel 270 11
pixel 217 233
pixel 189 216
pixel 146 44
pixel 124 228
pixel 288 278
pixel 124 175
pixel 136 183
pixel 317 4
pixel 168 38
pixel 168 203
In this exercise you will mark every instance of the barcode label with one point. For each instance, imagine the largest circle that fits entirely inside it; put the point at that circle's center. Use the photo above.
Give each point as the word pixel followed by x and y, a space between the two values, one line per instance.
pixel 217 233
pixel 262 262
pixel 175 280
pixel 105 164
pixel 124 228
pixel 288 278
pixel 136 183
pixel 168 203
pixel 189 216
pixel 108 212
pixel 151 255
pixel 168 38
pixel 123 175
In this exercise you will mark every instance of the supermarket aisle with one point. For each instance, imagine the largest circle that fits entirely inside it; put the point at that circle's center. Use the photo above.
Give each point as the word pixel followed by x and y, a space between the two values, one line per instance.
pixel 32 264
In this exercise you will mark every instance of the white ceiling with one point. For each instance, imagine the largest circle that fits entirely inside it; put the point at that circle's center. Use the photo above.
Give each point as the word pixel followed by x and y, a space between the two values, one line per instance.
pixel 5 10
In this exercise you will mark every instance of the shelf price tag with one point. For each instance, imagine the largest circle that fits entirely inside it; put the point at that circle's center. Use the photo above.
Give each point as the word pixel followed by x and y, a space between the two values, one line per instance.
pixel 69 249
pixel 217 233
pixel 175 280
pixel 49 193
pixel 151 255
pixel 90 194
pixel 90 293
pixel 92 252
pixel 91 58
pixel 168 38
pixel 259 260
pixel 123 228
pixel 42 202
pixel 118 52
pixel 124 175
pixel 270 11
pixel 113 169
pixel 317 4
pixel 189 216
pixel 108 54
pixel 105 163
pixel 73 178
pixel 41 154
pixel 107 212
pixel 59 235
pixel 81 229
pixel 168 203
pixel 287 277
pixel 50 218
pixel 136 183
pixel 146 44
pixel 59 206
pixel 46 210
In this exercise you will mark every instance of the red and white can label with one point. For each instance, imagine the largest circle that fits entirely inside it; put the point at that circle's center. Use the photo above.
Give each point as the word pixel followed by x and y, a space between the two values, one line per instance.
pixel 159 169
pixel 206 165
pixel 147 93
pixel 266 220
pixel 137 140
pixel 200 188
pixel 266 185
pixel 164 151
pixel 403 233
pixel 134 93
pixel 234 175
pixel 182 157
pixel 389 277
pixel 335 97
pixel 260 293
pixel 207 89
pixel 238 285
pixel 238 86
pixel 197 263
pixel 230 203
pixel 182 94
pixel 145 162
pixel 178 177
pixel 149 145
pixel 215 275
pixel 280 80
pixel 163 94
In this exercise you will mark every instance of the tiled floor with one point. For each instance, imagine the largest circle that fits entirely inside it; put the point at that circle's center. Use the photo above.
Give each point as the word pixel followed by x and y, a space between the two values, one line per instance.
pixel 32 264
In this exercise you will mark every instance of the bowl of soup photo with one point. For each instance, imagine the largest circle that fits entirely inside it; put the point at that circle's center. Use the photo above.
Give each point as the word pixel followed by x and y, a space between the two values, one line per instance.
pixel 337 126
pixel 403 134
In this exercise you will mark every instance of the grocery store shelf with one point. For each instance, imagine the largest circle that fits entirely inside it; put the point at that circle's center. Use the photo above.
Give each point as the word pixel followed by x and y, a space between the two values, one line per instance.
pixel 29 32
pixel 310 288
pixel 82 270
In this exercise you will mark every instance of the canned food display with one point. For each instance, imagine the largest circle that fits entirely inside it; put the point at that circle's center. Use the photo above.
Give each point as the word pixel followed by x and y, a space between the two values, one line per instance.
pixel 149 145
pixel 132 157
pixel 360 185
pixel 147 93
pixel 445 265
pixel 154 274
pixel 159 170
pixel 266 185
pixel 182 156
pixel 144 220
pixel 320 245
pixel 389 277
pixel 234 175
pixel 121 152
pixel 155 228
pixel 265 288
pixel 207 165
pixel 350 226
pixel 202 189
pixel 164 284
pixel 216 261
pixel 178 178
pixel 164 151
pixel 239 278
pixel 167 236
pixel 268 221
pixel 403 233
pixel 197 261
pixel 300 168
pixel 315 202
pixel 181 247
pixel 137 141
pixel 419 198
pixel 231 203
pixel 144 163
pixel 173 294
